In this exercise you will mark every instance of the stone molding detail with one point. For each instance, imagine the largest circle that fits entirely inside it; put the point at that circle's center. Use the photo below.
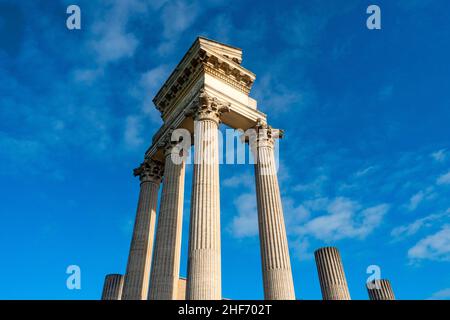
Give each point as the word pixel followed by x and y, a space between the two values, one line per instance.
pixel 204 61
pixel 150 171
pixel 206 107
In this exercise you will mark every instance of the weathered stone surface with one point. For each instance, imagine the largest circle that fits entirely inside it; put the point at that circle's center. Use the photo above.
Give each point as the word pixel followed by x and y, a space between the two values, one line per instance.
pixel 112 288
pixel 166 259
pixel 204 257
pixel 380 290
pixel 331 274
pixel 208 87
pixel 136 281
pixel 276 264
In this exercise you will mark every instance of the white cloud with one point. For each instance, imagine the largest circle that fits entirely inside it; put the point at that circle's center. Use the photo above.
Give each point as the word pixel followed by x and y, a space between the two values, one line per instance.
pixel 115 44
pixel 149 83
pixel 417 225
pixel 153 79
pixel 110 39
pixel 245 224
pixel 415 200
pixel 132 134
pixel 239 180
pixel 443 179
pixel 440 155
pixel 301 249
pixel 344 218
pixel 432 247
pixel 419 197
pixel 364 171
pixel 273 94
pixel 443 294
pixel 176 16
pixel 314 187
pixel 293 214
pixel 87 76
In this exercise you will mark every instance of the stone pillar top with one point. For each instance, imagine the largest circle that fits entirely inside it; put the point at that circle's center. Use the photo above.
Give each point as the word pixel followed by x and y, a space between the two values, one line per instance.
pixel 149 171
pixel 206 107
pixel 168 145
pixel 262 135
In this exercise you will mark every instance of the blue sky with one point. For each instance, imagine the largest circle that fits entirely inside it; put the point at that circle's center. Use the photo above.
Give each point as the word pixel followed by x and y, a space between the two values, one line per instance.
pixel 364 165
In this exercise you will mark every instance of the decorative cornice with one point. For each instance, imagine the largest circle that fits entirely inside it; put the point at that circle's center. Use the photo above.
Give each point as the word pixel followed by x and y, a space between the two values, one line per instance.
pixel 206 107
pixel 200 59
pixel 149 171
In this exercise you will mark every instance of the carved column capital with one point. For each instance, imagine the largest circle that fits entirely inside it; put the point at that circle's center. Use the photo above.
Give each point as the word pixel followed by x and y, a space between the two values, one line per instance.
pixel 170 146
pixel 150 171
pixel 206 107
pixel 263 135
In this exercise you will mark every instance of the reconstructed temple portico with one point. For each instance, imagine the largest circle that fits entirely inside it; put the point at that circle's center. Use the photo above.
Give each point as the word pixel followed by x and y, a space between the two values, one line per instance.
pixel 208 87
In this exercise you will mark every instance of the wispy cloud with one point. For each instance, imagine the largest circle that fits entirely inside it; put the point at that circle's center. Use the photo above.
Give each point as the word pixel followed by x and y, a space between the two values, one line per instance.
pixel 440 155
pixel 111 40
pixel 245 223
pixel 433 247
pixel 301 249
pixel 174 21
pixel 344 218
pixel 443 179
pixel 133 131
pixel 315 187
pixel 272 93
pixel 365 171
pixel 404 231
pixel 419 197
pixel 239 180
pixel 443 294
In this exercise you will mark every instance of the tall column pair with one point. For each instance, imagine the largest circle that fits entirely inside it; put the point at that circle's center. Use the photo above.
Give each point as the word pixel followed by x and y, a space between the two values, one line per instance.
pixel 166 257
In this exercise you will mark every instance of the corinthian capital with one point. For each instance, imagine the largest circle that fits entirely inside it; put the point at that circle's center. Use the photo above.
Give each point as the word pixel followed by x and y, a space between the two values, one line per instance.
pixel 264 135
pixel 149 171
pixel 206 107
pixel 170 146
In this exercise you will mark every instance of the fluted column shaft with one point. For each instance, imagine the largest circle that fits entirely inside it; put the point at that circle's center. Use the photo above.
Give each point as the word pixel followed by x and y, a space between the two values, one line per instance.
pixel 112 288
pixel 333 283
pixel 204 273
pixel 276 265
pixel 380 290
pixel 166 259
pixel 139 259
pixel 204 260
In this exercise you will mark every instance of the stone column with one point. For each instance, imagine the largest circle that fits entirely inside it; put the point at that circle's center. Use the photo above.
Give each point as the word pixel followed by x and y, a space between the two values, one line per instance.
pixel 331 274
pixel 166 259
pixel 276 265
pixel 112 289
pixel 139 260
pixel 380 290
pixel 204 260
